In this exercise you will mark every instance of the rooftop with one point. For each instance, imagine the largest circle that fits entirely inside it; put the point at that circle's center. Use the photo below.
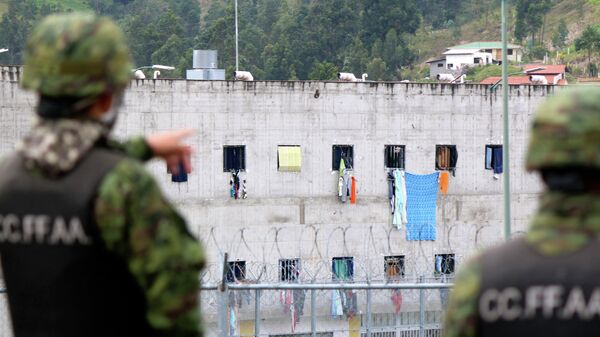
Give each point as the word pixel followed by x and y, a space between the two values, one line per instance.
pixel 461 51
pixel 549 69
pixel 484 45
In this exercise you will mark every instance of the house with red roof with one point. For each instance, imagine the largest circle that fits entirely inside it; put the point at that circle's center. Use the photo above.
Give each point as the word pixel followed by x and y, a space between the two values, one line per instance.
pixel 545 74
pixel 553 73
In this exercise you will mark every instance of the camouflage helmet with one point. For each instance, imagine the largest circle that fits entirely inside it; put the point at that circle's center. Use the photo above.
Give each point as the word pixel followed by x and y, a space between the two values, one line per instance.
pixel 77 55
pixel 566 131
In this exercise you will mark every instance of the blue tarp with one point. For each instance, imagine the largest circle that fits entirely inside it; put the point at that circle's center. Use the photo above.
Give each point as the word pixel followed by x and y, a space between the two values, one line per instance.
pixel 421 198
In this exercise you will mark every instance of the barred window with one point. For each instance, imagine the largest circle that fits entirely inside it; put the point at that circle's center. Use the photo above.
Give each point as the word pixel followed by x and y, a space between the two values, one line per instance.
pixel 236 271
pixel 444 264
pixel 394 267
pixel 289 270
pixel 446 157
pixel 234 158
pixel 394 156
pixel 340 152
pixel 342 268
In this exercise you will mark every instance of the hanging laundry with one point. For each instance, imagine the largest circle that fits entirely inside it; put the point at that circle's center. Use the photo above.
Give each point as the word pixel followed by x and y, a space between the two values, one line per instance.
pixel 438 264
pixel 497 159
pixel 453 160
pixel 299 298
pixel 236 189
pixel 444 293
pixel 353 191
pixel 399 217
pixel 421 198
pixel 181 175
pixel 341 170
pixel 244 192
pixel 346 185
pixel 390 179
pixel 444 179
pixel 336 304
pixel 396 298
pixel 343 302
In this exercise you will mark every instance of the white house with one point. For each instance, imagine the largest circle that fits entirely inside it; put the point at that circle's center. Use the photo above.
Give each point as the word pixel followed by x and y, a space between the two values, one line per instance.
pixel 456 59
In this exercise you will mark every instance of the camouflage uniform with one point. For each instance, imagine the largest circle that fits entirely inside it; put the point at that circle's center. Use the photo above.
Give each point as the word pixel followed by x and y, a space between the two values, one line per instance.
pixel 565 133
pixel 81 56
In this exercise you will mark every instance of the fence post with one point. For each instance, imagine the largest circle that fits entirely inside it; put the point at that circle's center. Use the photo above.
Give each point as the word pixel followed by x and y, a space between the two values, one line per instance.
pixel 257 313
pixel 369 302
pixel 421 309
pixel 313 313
pixel 223 325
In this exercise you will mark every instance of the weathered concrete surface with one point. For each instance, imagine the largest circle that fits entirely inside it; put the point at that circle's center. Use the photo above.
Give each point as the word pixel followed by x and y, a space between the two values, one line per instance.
pixel 297 214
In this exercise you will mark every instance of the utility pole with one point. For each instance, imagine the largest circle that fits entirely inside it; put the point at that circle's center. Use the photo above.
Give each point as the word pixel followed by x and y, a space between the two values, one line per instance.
pixel 237 63
pixel 505 126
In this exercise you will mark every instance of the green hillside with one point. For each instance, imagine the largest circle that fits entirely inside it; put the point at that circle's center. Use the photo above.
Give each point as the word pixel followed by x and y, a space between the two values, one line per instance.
pixel 3 6
pixel 68 4
pixel 295 39
pixel 486 27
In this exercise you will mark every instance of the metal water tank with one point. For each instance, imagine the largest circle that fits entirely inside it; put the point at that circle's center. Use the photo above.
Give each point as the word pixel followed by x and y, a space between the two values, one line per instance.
pixel 205 59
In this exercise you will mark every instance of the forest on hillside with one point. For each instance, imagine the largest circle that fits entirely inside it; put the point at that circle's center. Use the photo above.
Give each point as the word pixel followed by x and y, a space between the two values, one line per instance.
pixel 289 39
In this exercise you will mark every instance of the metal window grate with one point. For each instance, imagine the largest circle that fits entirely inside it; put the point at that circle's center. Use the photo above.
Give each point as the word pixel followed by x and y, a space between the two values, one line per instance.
pixel 394 156
pixel 444 264
pixel 234 158
pixel 444 158
pixel 489 155
pixel 339 152
pixel 342 268
pixel 394 267
pixel 236 271
pixel 289 270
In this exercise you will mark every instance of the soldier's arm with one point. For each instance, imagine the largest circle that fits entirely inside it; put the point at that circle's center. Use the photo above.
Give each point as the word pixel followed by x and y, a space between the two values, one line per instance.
pixel 137 223
pixel 168 145
pixel 135 147
pixel 461 315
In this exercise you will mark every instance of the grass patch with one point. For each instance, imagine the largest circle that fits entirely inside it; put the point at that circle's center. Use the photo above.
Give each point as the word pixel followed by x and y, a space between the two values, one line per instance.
pixel 478 74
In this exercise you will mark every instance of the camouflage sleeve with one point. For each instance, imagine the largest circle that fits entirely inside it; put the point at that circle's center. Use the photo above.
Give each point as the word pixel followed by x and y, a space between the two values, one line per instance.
pixel 137 223
pixel 461 315
pixel 135 147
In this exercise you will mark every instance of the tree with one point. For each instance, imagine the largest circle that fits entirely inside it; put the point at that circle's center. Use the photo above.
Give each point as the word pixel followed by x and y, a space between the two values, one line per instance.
pixel 530 17
pixel 355 56
pixel 381 15
pixel 377 69
pixel 170 54
pixel 560 36
pixel 589 41
pixel 323 71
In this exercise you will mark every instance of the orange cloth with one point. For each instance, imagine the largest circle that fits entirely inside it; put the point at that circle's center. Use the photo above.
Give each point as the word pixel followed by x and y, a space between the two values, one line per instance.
pixel 353 192
pixel 444 177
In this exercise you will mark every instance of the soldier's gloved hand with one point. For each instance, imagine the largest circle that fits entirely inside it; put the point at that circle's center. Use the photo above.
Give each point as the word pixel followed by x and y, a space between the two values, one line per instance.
pixel 170 146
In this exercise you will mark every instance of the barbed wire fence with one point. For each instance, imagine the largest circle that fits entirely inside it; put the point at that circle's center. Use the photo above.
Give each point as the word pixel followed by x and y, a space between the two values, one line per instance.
pixel 399 288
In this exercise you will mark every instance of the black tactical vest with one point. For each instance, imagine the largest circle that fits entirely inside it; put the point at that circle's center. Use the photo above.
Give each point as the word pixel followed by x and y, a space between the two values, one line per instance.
pixel 525 293
pixel 61 279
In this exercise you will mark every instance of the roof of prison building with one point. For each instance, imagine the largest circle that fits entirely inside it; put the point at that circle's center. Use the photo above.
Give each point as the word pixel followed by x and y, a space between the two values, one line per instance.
pixel 549 69
pixel 512 80
pixel 484 45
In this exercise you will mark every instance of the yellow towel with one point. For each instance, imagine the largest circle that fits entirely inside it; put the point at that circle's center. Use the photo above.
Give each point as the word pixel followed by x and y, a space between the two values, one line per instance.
pixel 290 158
